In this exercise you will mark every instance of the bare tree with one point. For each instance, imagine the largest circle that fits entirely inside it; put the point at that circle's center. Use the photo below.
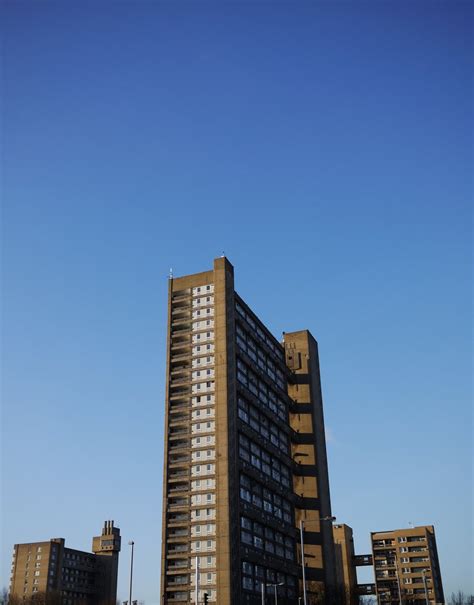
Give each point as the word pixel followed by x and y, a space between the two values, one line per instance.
pixel 459 598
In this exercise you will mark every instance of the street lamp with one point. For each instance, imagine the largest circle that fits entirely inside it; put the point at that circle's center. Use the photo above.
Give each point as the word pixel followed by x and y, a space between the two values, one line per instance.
pixel 275 589
pixel 132 544
pixel 328 518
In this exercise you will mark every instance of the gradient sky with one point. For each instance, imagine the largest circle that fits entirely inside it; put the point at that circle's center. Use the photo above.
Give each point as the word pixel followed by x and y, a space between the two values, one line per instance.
pixel 326 147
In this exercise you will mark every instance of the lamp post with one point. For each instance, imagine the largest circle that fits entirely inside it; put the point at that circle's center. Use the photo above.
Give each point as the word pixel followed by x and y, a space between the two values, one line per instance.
pixel 132 544
pixel 275 589
pixel 328 518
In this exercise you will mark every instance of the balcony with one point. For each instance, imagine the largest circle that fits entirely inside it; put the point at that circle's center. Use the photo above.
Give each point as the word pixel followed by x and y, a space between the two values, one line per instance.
pixel 178 405
pixel 177 564
pixel 178 581
pixel 181 328
pixel 178 548
pixel 178 445
pixel 174 503
pixel 179 356
pixel 180 346
pixel 180 518
pixel 179 533
pixel 179 368
pixel 179 392
pixel 178 487
pixel 178 432
pixel 180 381
pixel 179 460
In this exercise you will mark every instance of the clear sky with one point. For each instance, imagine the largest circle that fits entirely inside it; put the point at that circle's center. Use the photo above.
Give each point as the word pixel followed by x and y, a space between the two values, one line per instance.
pixel 326 147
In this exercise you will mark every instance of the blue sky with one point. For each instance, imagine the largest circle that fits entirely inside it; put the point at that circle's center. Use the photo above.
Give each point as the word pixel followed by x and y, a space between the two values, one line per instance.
pixel 327 148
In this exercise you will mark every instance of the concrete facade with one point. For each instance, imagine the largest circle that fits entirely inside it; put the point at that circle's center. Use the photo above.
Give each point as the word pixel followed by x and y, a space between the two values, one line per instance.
pixel 71 576
pixel 345 564
pixel 245 455
pixel 406 566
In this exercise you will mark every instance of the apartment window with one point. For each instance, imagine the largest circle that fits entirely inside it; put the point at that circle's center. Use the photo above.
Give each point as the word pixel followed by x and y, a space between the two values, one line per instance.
pixel 209 560
pixel 198 529
pixel 37 573
pixel 209 578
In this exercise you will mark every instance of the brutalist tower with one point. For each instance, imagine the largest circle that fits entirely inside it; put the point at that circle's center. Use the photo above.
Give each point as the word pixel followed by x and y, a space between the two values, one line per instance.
pixel 245 454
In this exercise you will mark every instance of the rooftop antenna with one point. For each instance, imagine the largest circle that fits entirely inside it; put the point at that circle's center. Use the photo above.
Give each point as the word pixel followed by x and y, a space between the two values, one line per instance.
pixel 171 273
pixel 410 524
pixel 223 254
